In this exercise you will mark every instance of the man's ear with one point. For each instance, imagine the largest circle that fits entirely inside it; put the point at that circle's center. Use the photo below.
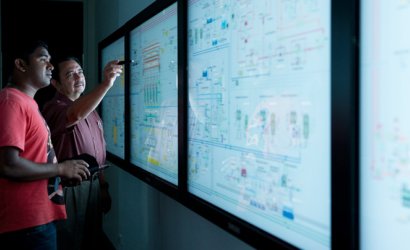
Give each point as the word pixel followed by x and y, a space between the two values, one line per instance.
pixel 20 65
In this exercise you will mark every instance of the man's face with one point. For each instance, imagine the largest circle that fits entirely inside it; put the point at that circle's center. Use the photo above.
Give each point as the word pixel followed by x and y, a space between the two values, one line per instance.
pixel 39 67
pixel 72 81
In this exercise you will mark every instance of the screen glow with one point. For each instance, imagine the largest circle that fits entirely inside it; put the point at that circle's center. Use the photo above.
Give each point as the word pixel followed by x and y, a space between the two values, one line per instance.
pixel 113 102
pixel 154 95
pixel 384 125
pixel 259 114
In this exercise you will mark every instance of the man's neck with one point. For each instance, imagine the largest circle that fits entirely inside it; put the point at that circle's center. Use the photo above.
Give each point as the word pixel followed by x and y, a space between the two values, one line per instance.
pixel 25 88
pixel 72 97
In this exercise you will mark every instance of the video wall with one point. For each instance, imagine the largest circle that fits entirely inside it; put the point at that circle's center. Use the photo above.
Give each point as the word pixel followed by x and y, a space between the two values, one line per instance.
pixel 229 107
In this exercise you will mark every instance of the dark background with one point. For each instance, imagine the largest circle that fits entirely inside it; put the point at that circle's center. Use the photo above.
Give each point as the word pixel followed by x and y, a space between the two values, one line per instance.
pixel 58 23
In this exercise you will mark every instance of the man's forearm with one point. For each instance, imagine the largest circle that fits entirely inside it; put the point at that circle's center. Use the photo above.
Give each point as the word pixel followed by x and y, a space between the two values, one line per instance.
pixel 18 168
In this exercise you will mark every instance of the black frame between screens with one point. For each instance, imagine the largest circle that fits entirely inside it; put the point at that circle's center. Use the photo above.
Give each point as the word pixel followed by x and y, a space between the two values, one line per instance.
pixel 344 130
pixel 345 127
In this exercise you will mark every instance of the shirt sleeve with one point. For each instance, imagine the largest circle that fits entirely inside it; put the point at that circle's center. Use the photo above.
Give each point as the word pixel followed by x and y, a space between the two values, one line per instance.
pixel 13 125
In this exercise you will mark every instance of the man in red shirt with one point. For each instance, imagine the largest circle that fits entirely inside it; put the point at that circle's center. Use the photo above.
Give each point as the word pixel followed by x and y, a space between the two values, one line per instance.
pixel 76 128
pixel 30 195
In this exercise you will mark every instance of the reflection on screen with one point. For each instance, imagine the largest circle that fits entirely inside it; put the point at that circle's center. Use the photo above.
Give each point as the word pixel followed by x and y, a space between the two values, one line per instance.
pixel 385 125
pixel 154 99
pixel 113 102
pixel 259 113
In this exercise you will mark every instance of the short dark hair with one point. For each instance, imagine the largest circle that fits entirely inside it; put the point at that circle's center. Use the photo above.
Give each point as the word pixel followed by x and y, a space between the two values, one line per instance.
pixel 58 61
pixel 24 49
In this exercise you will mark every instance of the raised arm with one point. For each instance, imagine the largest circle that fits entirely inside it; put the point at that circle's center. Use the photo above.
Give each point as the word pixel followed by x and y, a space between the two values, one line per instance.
pixel 84 105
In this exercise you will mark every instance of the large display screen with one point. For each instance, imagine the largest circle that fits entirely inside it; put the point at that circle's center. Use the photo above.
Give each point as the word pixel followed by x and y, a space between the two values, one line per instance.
pixel 154 95
pixel 259 114
pixel 113 102
pixel 384 125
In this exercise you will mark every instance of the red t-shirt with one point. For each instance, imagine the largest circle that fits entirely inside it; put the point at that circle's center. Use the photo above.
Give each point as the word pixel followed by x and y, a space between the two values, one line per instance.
pixel 25 204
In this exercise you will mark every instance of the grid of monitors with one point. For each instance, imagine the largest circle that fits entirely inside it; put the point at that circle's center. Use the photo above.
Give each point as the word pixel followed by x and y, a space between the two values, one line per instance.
pixel 258 91
pixel 259 114
pixel 154 95
pixel 113 102
pixel 384 125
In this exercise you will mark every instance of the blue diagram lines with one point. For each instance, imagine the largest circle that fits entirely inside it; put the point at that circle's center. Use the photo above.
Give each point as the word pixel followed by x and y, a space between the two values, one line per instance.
pixel 259 111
